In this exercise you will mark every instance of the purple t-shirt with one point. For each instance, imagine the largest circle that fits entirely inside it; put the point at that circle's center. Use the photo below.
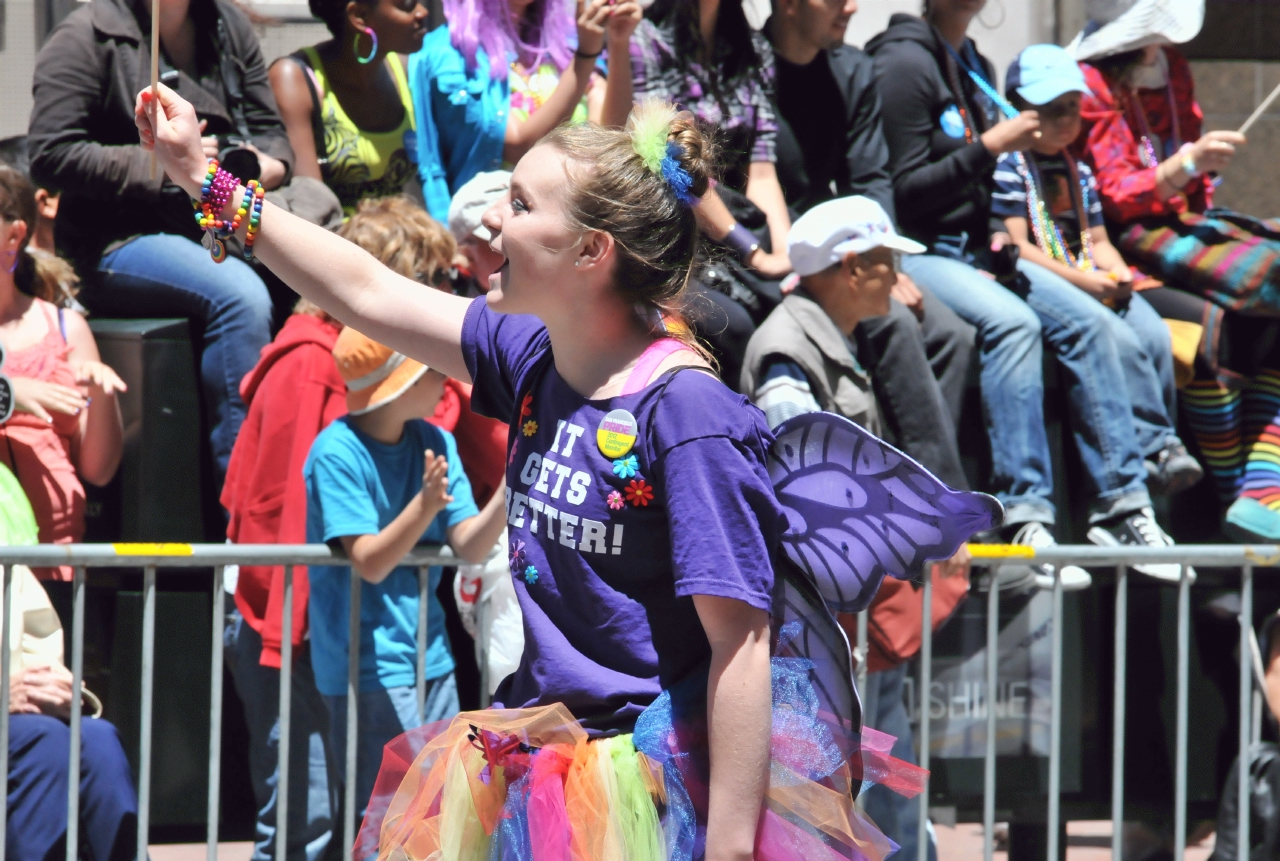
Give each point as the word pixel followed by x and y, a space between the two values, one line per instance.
pixel 607 551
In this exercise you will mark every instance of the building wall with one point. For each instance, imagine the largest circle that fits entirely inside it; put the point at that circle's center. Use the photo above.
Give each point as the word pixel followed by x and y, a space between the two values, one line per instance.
pixel 1228 91
pixel 17 59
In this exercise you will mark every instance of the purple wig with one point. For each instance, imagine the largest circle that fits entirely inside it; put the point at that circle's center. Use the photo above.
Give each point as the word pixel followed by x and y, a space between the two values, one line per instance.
pixel 548 31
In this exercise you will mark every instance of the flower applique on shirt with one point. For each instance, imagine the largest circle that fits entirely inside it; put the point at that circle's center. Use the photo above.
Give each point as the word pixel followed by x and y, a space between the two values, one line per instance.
pixel 530 428
pixel 626 467
pixel 517 558
pixel 639 492
pixel 530 575
pixel 615 500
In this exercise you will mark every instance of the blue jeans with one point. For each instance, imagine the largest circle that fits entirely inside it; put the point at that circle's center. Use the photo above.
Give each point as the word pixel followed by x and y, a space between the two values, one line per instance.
pixel 1082 333
pixel 313 785
pixel 898 817
pixel 163 275
pixel 382 715
pixel 39 750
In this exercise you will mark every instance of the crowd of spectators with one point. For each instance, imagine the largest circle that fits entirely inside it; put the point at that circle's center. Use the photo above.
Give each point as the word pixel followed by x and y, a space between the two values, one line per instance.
pixel 868 261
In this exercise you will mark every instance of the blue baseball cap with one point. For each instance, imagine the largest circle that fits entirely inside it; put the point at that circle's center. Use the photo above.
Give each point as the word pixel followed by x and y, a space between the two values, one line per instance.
pixel 1041 73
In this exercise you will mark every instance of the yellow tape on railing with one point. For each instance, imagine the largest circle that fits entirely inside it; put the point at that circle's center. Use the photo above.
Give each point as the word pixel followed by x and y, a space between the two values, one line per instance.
pixel 140 549
pixel 1002 551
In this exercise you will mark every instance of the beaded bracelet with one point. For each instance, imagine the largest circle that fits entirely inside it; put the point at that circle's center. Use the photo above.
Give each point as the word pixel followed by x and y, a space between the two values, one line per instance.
pixel 217 190
pixel 255 191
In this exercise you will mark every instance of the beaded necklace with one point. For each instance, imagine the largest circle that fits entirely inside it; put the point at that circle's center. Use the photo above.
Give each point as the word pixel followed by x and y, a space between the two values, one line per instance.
pixel 1045 230
pixel 1147 149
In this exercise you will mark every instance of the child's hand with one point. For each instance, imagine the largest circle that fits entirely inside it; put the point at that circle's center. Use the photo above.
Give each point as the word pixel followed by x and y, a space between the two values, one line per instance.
pixel 98 377
pixel 435 482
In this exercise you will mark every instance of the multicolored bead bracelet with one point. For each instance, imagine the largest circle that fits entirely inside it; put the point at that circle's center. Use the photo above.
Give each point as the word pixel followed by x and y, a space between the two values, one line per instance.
pixel 217 190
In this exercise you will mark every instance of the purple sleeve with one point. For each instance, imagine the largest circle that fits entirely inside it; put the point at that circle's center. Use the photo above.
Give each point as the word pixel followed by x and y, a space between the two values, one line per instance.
pixel 766 119
pixel 499 350
pixel 725 522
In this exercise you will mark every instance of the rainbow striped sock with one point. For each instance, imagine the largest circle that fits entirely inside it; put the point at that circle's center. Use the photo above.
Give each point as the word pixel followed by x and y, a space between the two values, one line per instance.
pixel 1262 439
pixel 1214 413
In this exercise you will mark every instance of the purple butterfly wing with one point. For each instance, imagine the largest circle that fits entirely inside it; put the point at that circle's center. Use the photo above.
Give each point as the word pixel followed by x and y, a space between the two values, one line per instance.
pixel 858 509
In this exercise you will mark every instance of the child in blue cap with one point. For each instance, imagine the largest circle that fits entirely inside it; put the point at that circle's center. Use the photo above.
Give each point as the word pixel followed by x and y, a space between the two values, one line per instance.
pixel 1050 207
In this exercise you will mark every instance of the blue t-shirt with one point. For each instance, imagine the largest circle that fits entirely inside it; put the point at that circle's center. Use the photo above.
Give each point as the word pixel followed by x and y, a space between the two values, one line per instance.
pixel 461 115
pixel 607 551
pixel 356 486
pixel 1059 189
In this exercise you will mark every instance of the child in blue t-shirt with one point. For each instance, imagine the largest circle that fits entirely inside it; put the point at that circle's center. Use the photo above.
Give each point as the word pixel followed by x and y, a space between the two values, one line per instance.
pixel 380 481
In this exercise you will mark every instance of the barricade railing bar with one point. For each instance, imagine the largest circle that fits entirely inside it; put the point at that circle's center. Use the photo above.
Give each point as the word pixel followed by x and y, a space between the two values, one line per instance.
pixel 150 557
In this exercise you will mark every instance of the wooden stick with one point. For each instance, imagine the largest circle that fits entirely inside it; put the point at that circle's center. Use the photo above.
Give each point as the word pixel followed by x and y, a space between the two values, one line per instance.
pixel 1266 103
pixel 155 73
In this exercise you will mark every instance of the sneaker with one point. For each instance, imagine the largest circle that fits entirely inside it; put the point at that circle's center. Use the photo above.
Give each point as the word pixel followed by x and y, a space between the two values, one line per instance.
pixel 1248 520
pixel 1139 529
pixel 1035 575
pixel 1171 470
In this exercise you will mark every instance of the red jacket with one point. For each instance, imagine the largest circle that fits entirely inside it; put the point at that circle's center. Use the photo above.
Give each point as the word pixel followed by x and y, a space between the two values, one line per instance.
pixel 292 394
pixel 1110 142
pixel 482 442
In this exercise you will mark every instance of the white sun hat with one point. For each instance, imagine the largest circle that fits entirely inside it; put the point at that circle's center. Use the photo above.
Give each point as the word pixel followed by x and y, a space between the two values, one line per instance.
pixel 1116 26
pixel 825 234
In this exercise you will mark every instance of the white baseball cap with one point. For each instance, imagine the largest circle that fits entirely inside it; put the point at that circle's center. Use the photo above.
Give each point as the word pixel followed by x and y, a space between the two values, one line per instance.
pixel 472 200
pixel 825 234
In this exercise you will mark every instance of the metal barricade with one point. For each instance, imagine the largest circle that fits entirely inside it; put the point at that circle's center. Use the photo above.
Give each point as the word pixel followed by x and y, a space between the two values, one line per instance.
pixel 149 557
pixel 1244 557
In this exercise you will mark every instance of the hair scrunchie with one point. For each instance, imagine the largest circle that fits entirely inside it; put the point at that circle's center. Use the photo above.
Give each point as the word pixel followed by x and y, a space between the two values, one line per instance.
pixel 649 139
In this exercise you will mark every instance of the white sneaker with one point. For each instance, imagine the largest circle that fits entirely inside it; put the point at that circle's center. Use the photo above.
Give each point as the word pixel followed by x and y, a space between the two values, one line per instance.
pixel 1140 529
pixel 1037 575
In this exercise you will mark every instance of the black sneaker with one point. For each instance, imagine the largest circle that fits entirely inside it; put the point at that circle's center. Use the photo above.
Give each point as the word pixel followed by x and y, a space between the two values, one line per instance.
pixel 1140 529
pixel 1171 470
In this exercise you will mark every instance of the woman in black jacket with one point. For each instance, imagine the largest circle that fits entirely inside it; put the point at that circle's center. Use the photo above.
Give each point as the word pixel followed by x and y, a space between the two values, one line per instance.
pixel 132 235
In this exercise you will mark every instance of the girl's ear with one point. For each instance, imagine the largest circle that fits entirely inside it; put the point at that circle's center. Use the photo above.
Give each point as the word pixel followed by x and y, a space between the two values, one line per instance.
pixel 13 234
pixel 597 249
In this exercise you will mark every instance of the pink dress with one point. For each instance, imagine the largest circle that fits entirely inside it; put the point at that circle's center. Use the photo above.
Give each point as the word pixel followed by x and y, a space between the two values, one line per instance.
pixel 43 455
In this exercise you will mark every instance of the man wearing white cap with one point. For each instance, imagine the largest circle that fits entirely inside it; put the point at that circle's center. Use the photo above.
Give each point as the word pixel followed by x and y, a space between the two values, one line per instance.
pixel 800 359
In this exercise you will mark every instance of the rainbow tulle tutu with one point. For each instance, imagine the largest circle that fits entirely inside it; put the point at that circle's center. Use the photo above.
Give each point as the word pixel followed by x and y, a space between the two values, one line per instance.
pixel 528 785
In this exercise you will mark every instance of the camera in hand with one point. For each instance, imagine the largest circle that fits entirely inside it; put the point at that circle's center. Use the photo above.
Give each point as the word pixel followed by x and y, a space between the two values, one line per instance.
pixel 237 159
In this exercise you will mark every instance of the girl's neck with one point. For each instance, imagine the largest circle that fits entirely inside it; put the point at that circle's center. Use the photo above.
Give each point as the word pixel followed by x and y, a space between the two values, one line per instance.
pixel 13 302
pixel 341 65
pixel 952 28
pixel 594 348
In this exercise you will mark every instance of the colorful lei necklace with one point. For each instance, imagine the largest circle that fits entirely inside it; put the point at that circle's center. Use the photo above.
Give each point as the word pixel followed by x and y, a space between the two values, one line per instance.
pixel 1147 149
pixel 1045 230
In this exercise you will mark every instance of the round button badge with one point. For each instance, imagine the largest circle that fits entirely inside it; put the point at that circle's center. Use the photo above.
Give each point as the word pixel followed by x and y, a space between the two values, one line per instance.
pixel 617 434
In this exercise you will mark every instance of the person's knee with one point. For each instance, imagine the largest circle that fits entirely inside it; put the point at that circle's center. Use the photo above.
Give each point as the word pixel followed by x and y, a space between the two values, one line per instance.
pixel 40 739
pixel 103 755
pixel 1016 323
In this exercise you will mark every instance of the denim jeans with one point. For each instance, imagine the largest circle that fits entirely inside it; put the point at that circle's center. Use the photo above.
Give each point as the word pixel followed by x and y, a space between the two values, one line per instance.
pixel 1082 333
pixel 163 275
pixel 1142 349
pixel 898 817
pixel 382 715
pixel 313 785
pixel 919 369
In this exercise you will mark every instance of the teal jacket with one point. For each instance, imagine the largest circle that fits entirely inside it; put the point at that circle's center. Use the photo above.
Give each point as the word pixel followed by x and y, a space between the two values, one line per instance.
pixel 462 118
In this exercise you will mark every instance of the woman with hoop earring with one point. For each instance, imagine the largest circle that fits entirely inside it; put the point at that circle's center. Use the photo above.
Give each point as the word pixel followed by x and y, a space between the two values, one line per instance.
pixel 346 103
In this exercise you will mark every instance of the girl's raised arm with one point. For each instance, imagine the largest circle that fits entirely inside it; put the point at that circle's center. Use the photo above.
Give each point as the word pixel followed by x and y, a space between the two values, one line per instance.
pixel 339 277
